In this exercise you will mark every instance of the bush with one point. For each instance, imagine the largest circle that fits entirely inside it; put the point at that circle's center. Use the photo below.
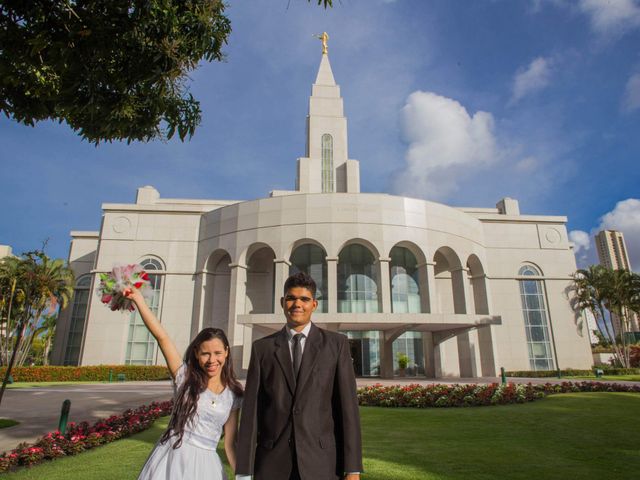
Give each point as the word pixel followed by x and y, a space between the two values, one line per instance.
pixel 82 436
pixel 86 373
pixel 634 355
pixel 607 369
pixel 468 395
pixel 569 372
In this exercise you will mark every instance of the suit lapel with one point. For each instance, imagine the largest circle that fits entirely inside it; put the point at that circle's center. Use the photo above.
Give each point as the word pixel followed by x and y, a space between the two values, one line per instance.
pixel 309 356
pixel 283 355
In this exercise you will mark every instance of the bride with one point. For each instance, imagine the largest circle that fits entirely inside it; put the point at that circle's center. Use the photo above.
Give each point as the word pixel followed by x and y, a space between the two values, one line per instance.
pixel 207 397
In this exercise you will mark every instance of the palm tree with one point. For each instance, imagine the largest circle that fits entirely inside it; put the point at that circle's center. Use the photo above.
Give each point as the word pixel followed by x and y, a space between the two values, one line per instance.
pixel 44 284
pixel 612 296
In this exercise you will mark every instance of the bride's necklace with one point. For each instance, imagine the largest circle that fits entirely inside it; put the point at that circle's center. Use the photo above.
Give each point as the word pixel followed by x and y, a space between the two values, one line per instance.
pixel 216 395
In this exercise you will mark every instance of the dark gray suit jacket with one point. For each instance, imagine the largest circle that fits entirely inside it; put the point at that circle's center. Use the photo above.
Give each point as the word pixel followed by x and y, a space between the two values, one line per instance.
pixel 317 414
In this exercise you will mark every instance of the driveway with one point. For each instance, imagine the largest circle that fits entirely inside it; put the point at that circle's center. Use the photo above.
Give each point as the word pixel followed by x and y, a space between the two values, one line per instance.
pixel 38 408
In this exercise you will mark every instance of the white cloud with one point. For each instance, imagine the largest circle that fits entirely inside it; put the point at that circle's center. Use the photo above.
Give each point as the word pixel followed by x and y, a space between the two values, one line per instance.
pixel 611 17
pixel 535 77
pixel 582 244
pixel 625 217
pixel 443 141
pixel 632 93
pixel 581 240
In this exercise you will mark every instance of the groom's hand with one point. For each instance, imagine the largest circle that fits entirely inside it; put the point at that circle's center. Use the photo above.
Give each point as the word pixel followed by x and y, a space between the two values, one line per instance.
pixel 352 476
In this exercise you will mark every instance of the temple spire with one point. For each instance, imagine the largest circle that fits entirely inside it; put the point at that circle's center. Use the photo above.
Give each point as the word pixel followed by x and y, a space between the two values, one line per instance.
pixel 326 166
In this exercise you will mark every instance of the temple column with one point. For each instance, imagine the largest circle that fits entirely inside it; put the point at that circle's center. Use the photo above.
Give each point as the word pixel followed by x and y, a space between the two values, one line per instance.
pixel 385 284
pixel 332 287
pixel 281 273
pixel 237 305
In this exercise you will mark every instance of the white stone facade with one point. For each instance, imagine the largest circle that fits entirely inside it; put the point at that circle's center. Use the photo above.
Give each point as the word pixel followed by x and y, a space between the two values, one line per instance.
pixel 398 275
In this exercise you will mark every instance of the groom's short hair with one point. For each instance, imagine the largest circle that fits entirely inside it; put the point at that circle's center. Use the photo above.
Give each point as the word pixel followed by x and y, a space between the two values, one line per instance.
pixel 302 280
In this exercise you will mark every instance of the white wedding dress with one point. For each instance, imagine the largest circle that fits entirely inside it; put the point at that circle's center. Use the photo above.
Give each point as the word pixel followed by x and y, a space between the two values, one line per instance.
pixel 196 458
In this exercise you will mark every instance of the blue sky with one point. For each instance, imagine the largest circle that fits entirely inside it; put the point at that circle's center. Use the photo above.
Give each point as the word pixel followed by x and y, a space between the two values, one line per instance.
pixel 457 102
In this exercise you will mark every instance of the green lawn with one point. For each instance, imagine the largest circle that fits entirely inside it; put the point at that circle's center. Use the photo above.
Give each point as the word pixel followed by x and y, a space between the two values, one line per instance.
pixel 582 435
pixel 6 422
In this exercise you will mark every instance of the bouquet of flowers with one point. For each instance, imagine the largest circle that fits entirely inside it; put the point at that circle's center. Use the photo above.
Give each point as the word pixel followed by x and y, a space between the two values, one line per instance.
pixel 113 284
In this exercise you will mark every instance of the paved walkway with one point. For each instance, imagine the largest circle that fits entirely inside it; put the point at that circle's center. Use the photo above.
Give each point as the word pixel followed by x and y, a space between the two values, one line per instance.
pixel 38 408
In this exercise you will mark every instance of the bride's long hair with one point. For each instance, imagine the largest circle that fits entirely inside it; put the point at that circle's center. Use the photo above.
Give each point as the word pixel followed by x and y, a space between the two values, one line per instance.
pixel 196 379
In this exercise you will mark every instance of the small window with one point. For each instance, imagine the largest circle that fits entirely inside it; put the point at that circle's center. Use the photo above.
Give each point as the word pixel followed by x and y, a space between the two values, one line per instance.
pixel 151 264
pixel 529 270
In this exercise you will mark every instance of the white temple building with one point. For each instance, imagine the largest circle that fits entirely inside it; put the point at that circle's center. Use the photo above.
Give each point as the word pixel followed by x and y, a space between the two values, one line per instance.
pixel 461 291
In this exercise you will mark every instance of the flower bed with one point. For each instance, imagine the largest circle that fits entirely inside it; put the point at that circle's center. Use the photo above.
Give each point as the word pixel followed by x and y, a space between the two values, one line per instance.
pixel 469 395
pixel 87 373
pixel 82 436
pixel 608 370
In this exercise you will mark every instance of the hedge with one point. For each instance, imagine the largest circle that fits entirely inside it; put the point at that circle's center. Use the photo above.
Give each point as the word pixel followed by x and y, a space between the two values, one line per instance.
pixel 606 369
pixel 470 395
pixel 86 373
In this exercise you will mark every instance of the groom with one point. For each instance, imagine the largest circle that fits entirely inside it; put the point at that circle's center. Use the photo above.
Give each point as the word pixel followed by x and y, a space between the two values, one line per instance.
pixel 300 417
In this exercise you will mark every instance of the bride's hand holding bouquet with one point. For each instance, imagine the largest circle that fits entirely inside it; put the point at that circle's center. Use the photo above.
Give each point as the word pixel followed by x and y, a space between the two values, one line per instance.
pixel 119 289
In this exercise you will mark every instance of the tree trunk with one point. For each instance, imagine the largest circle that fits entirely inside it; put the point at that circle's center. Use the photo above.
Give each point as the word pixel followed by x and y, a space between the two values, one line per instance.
pixel 11 362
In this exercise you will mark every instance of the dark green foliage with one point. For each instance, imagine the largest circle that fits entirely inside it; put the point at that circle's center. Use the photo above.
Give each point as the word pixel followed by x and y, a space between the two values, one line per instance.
pixel 87 373
pixel 111 69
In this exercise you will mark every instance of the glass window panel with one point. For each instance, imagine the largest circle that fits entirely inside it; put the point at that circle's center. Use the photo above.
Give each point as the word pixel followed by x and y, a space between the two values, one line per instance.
pixel 327 163
pixel 533 302
pixel 535 319
pixel 77 321
pixel 403 274
pixel 357 280
pixel 311 259
pixel 530 287
pixel 538 334
pixel 140 343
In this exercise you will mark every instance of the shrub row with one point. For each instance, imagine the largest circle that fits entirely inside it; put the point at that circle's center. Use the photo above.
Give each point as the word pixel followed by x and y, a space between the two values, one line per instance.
pixel 437 395
pixel 469 395
pixel 86 373
pixel 80 437
pixel 570 372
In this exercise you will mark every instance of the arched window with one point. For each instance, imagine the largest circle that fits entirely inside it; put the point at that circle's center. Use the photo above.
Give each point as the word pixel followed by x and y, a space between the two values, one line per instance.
pixel 535 319
pixel 312 260
pixel 78 318
pixel 327 163
pixel 357 281
pixel 260 280
pixel 141 345
pixel 405 290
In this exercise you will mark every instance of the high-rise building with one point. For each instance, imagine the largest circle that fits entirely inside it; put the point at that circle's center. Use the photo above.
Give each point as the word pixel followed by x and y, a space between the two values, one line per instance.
pixel 612 250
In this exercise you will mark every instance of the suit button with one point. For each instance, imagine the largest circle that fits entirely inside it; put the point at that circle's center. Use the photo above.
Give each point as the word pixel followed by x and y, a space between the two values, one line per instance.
pixel 296 411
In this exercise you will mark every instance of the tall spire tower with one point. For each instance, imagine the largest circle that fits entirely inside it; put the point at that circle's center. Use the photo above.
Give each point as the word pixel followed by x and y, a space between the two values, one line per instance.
pixel 326 167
